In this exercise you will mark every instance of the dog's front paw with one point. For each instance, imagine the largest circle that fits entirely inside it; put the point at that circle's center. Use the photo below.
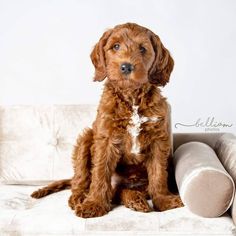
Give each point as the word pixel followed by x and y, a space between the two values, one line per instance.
pixel 135 200
pixel 76 199
pixel 139 204
pixel 90 209
pixel 167 202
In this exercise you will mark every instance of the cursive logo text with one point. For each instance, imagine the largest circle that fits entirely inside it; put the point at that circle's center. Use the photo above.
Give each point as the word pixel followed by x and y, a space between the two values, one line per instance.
pixel 210 124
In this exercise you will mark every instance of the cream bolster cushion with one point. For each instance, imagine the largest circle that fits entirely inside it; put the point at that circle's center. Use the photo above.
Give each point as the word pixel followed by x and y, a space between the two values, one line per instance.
pixel 226 150
pixel 204 185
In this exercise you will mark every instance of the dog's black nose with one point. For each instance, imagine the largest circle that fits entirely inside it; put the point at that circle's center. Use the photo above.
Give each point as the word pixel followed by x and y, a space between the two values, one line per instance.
pixel 126 68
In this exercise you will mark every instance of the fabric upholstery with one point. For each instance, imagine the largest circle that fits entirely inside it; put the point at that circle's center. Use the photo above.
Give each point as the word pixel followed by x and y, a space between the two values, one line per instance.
pixel 36 142
pixel 226 151
pixel 24 216
pixel 204 185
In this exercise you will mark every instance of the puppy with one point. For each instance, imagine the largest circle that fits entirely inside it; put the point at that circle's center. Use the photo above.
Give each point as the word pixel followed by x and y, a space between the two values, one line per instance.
pixel 124 156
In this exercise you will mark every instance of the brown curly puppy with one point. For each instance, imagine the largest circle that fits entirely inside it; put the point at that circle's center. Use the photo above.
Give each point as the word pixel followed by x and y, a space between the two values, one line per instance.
pixel 124 157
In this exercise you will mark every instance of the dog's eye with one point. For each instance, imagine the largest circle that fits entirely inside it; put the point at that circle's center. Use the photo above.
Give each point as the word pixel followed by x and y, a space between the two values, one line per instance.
pixel 116 46
pixel 142 49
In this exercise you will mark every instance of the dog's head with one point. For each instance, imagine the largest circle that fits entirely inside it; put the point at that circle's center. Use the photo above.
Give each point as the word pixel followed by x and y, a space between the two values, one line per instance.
pixel 131 55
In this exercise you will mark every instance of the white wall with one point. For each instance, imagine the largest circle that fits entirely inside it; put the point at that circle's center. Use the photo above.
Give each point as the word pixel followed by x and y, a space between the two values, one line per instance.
pixel 45 47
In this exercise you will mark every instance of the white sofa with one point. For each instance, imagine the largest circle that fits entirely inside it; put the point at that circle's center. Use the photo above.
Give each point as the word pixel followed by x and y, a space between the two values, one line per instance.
pixel 35 148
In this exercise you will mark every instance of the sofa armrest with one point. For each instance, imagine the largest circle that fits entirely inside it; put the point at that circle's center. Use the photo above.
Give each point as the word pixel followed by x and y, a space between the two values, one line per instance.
pixel 225 149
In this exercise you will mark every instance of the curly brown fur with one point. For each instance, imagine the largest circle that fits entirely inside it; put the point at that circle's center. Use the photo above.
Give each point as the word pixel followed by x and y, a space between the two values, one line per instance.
pixel 110 160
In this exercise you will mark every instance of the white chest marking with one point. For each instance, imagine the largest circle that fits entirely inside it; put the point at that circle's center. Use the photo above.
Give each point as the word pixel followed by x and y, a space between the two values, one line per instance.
pixel 134 128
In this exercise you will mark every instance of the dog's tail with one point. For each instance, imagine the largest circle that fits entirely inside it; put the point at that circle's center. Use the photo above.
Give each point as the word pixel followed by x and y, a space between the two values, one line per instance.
pixel 52 188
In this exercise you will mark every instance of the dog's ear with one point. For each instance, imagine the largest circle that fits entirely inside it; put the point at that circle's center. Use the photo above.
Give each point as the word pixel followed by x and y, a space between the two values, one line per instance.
pixel 98 57
pixel 163 64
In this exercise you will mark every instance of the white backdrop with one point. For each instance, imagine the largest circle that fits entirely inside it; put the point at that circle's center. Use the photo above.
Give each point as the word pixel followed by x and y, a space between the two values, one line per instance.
pixel 45 47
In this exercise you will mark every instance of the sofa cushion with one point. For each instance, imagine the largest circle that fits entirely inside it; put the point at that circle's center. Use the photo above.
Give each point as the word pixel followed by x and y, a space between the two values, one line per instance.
pixel 204 185
pixel 226 150
pixel 36 142
pixel 22 215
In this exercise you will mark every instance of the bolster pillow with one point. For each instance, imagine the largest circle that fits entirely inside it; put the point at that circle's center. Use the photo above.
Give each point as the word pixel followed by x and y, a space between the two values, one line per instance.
pixel 204 185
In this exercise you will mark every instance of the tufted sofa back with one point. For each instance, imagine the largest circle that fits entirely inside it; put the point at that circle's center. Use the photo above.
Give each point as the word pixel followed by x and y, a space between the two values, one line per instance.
pixel 36 142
